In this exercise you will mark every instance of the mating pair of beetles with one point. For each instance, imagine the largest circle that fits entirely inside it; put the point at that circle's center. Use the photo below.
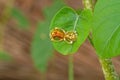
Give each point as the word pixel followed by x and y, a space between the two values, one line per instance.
pixel 58 35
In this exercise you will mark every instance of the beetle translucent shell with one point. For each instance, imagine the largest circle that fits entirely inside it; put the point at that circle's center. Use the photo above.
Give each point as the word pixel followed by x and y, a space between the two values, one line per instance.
pixel 71 37
pixel 57 34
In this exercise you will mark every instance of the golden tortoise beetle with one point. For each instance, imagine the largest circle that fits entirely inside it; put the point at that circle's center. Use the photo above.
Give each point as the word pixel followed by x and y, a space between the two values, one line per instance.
pixel 58 34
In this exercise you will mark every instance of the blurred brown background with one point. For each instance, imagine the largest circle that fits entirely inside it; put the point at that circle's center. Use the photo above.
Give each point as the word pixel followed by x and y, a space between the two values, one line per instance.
pixel 18 42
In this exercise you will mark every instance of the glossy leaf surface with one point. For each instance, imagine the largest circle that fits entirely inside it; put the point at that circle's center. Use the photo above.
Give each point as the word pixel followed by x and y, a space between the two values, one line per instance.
pixel 106 28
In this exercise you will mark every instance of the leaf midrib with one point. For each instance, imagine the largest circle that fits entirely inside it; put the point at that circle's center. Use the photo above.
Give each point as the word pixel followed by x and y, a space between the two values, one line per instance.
pixel 75 25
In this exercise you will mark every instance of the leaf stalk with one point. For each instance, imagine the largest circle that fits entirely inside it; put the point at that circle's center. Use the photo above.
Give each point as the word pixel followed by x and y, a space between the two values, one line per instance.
pixel 71 71
pixel 108 69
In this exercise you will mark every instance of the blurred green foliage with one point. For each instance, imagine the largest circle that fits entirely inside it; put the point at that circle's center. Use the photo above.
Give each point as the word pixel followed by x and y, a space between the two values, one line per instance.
pixel 4 56
pixel 42 49
pixel 21 19
pixel 5 14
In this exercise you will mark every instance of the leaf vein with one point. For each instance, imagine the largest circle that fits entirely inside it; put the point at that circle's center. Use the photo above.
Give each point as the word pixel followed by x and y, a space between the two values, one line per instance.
pixel 111 35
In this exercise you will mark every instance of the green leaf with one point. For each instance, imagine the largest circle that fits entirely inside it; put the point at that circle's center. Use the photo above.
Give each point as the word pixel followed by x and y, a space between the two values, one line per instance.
pixel 41 47
pixel 69 20
pixel 4 56
pixel 23 22
pixel 106 28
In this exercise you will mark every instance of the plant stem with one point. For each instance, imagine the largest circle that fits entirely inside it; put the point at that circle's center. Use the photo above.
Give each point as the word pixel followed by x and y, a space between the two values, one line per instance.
pixel 88 4
pixel 71 71
pixel 107 66
pixel 108 69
